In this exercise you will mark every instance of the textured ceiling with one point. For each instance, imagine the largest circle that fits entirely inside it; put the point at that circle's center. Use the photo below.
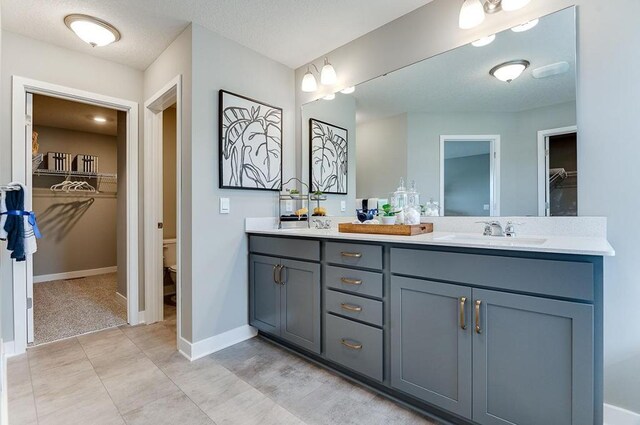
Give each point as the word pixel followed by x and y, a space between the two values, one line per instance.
pixel 292 32
pixel 459 80
pixel 60 113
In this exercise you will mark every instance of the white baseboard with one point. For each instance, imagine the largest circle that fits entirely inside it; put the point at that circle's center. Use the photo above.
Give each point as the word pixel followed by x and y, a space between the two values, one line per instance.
pixel 121 299
pixel 74 275
pixel 9 348
pixel 614 415
pixel 199 349
pixel 141 317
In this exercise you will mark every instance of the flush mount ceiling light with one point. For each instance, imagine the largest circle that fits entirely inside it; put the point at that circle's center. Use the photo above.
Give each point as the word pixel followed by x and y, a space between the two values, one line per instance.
pixel 92 30
pixel 526 26
pixel 472 12
pixel 484 41
pixel 100 120
pixel 348 90
pixel 509 71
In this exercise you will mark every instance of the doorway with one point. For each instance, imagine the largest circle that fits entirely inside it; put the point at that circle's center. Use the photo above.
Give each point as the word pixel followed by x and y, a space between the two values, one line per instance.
pixel 162 200
pixel 469 175
pixel 558 172
pixel 22 171
pixel 78 153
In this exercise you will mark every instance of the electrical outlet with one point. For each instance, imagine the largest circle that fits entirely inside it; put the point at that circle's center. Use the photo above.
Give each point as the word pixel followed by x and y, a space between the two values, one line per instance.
pixel 343 206
pixel 225 205
pixel 486 207
pixel 288 206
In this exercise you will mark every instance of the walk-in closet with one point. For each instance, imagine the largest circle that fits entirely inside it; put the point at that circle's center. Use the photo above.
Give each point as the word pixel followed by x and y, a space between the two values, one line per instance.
pixel 79 164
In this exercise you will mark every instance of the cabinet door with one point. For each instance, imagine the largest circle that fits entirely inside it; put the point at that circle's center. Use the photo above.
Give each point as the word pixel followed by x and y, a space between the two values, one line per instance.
pixel 532 361
pixel 264 294
pixel 300 302
pixel 430 350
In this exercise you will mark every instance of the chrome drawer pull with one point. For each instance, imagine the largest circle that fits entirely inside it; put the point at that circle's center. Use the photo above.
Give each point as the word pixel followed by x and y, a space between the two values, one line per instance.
pixel 350 345
pixel 351 307
pixel 351 254
pixel 351 281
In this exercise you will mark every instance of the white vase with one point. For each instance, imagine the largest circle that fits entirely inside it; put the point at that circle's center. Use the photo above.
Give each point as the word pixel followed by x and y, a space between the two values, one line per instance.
pixel 389 219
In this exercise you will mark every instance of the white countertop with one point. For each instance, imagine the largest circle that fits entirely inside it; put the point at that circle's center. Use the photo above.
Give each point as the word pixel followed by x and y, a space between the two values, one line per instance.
pixel 530 243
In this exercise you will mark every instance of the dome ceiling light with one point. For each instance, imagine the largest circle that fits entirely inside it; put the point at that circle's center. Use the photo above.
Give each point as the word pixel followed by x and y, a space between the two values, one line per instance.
pixel 472 12
pixel 93 31
pixel 509 71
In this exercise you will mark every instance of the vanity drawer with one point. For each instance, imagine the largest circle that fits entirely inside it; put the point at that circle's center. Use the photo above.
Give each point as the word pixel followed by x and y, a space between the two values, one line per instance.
pixel 353 306
pixel 555 278
pixel 357 281
pixel 356 255
pixel 354 345
pixel 303 249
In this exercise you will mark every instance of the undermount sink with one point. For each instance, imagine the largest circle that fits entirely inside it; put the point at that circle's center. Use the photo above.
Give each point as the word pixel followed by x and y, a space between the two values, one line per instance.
pixel 491 240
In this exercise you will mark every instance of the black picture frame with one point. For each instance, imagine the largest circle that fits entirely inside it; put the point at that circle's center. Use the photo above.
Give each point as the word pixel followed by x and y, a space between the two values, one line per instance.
pixel 337 182
pixel 247 127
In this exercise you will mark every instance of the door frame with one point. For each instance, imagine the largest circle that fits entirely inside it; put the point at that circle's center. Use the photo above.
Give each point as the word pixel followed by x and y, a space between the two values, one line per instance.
pixel 21 171
pixel 153 110
pixel 494 177
pixel 543 164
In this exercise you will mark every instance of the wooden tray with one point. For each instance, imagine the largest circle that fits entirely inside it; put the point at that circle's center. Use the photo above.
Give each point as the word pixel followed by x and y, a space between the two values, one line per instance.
pixel 387 229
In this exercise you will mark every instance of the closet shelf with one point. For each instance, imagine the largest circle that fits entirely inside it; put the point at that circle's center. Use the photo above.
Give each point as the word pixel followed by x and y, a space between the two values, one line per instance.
pixel 106 182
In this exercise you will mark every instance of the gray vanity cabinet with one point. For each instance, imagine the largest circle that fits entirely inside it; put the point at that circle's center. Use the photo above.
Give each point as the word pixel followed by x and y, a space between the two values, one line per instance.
pixel 532 360
pixel 285 299
pixel 431 337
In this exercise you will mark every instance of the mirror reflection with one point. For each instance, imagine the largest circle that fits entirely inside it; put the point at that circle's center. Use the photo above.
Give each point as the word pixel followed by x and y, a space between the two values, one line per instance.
pixel 486 129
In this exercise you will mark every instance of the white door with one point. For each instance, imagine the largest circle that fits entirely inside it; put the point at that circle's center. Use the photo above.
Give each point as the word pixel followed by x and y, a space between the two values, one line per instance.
pixel 28 207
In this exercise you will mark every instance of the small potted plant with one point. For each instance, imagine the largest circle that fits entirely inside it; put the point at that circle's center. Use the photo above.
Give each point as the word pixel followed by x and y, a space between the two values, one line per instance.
pixel 388 215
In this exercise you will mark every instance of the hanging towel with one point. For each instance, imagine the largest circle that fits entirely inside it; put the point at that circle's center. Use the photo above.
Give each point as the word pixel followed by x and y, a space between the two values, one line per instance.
pixel 20 225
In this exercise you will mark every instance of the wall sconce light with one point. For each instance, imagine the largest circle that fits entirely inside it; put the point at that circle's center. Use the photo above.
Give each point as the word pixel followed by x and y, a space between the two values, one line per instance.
pixel 472 12
pixel 328 77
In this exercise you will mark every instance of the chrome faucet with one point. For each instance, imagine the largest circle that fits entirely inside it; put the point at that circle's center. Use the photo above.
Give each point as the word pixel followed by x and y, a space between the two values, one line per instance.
pixel 510 229
pixel 492 228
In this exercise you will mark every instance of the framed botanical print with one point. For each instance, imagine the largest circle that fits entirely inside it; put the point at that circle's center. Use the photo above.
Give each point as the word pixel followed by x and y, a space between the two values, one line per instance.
pixel 250 143
pixel 328 160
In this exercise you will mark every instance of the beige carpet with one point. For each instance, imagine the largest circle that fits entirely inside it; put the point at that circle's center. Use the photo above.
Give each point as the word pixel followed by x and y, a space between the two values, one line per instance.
pixel 65 308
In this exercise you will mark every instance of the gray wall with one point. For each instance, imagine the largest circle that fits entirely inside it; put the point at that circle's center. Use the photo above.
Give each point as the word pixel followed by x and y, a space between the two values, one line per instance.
pixel 381 148
pixel 220 264
pixel 466 185
pixel 175 61
pixel 25 57
pixel 169 173
pixel 79 233
pixel 342 112
pixel 607 122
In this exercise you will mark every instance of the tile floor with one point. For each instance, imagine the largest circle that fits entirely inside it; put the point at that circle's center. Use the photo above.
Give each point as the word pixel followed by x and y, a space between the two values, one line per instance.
pixel 134 375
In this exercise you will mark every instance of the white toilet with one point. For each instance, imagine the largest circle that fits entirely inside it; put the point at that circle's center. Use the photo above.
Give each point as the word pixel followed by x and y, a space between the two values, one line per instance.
pixel 170 259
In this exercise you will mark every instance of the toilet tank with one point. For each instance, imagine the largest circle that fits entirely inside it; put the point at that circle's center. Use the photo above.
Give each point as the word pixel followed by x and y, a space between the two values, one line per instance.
pixel 169 258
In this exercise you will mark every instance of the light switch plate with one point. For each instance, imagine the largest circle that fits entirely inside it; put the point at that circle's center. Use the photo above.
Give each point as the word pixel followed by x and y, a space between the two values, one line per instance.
pixel 288 206
pixel 343 206
pixel 225 205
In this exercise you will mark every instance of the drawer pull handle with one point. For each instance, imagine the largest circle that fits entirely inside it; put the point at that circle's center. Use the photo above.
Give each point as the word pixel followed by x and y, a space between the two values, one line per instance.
pixel 350 345
pixel 478 328
pixel 463 322
pixel 282 280
pixel 275 271
pixel 351 281
pixel 351 307
pixel 351 254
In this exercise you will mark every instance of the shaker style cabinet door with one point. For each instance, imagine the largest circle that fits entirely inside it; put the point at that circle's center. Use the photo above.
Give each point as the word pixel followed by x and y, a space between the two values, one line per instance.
pixel 300 304
pixel 532 360
pixel 264 293
pixel 431 327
